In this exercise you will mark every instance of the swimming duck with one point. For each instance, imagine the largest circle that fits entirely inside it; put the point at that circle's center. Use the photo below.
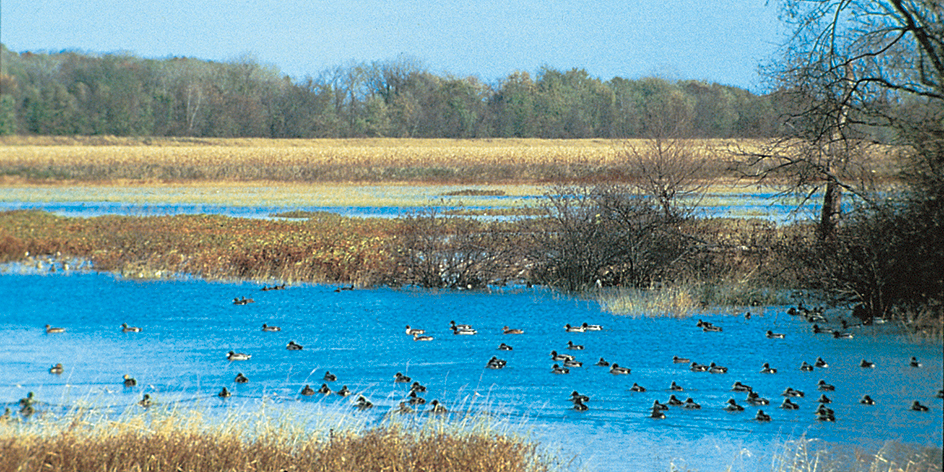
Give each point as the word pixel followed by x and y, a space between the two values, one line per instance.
pixel 712 329
pixel 507 330
pixel 773 335
pixel 453 326
pixel 504 347
pixel 243 301
pixel 363 403
pixel 50 330
pixel 940 393
pixel 828 416
pixel 579 406
pixel 789 405
pixel 675 387
pixel 673 401
pixel 237 356
pixel 690 404
pixel 559 357
pixel 767 369
pixel 559 370
pixel 129 381
pixel 732 405
pixel 696 367
pixel 617 370
pixel 270 329
pixel 572 363
pixel 344 391
pixel 917 406
pixel 414 399
pixel 573 329
pixel 422 337
pixel 701 324
pixel 820 363
pixel 866 400
pixel 806 367
pixel 329 377
pixel 591 327
pixel 791 392
pixel 818 330
pixel 307 391
pixel 716 369
pixel 824 399
pixel 293 346
pixel 602 363
pixel 56 369
pixel 680 360
pixel 747 315
pixel 324 390
pixel 464 331
pixel 495 363
pixel 659 406
pixel 657 414
pixel 400 378
pixel 241 379
pixel 145 401
pixel 575 347
pixel 438 408
pixel 866 364
pixel 574 396
pixel 224 393
pixel 841 335
pixel 129 329
pixel 739 387
pixel 637 388
pixel 414 331
pixel 914 362
pixel 756 400
pixel 761 416
pixel 404 409
pixel 822 385
pixel 416 387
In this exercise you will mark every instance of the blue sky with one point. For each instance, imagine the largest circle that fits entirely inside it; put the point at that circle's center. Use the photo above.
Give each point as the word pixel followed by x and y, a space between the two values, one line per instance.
pixel 714 40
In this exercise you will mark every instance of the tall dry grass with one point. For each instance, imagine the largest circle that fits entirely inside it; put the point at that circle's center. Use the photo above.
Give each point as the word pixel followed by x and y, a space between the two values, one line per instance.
pixel 805 455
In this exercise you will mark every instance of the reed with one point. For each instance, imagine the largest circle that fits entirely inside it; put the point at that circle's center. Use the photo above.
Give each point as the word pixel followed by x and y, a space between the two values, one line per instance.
pixel 805 455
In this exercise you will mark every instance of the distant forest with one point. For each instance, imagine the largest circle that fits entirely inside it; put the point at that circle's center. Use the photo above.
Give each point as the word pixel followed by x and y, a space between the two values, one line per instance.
pixel 70 93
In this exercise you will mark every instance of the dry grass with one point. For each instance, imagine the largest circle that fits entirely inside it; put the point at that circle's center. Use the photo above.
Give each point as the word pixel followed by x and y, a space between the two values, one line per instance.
pixel 802 455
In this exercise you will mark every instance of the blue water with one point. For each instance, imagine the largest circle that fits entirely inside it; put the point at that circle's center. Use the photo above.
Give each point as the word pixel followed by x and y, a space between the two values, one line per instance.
pixel 189 325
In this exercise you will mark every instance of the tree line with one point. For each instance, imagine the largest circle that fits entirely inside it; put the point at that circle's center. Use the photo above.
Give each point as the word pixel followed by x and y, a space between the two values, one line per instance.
pixel 71 93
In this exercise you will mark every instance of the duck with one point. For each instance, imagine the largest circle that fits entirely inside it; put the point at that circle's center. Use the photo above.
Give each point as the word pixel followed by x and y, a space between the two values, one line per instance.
pixel 739 387
pixel 241 379
pixel 818 330
pixel 344 391
pixel 702 324
pixel 573 329
pixel 464 331
pixel 559 370
pixel 617 370
pixel 789 405
pixel 820 363
pixel 690 404
pixel 504 347
pixel 413 399
pixel 438 407
pixel 416 387
pixel 453 326
pixel 422 337
pixel 224 393
pixel 145 401
pixel 756 400
pixel 414 331
pixel 828 416
pixel 404 409
pixel 129 381
pixel 56 369
pixel 307 391
pixel 940 393
pixel 329 377
pixel 806 367
pixel 716 369
pixel 572 363
pixel 822 409
pixel 914 362
pixel 507 330
pixel 866 400
pixel 363 403
pixel 602 363
pixel 824 399
pixel 559 357
pixel 579 406
pixel 657 414
pixel 400 378
pixel 495 363
pixel 732 405
pixel 574 396
pixel 270 329
pixel 675 387
pixel 324 389
pixel 637 388
pixel 591 327
pixel 238 356
pixel 659 406
pixel 791 392
pixel 574 347
pixel 696 367
pixel 822 385
pixel 866 364
pixel 129 329
pixel 767 369
pixel 674 401
pixel 712 329
pixel 773 335
pixel 51 330
pixel 761 416
pixel 680 360
pixel 917 406
pixel 841 335
pixel 293 346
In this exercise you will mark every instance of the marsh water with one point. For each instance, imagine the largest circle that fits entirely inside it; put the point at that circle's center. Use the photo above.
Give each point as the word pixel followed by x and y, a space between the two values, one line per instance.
pixel 188 326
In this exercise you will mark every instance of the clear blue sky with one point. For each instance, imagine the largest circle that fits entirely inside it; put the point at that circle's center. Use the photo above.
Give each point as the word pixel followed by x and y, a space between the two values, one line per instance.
pixel 715 40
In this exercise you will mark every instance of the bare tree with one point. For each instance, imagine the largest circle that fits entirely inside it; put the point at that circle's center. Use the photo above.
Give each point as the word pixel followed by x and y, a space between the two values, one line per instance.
pixel 671 170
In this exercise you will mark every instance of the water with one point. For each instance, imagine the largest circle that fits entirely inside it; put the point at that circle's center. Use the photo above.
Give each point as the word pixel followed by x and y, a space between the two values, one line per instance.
pixel 189 325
